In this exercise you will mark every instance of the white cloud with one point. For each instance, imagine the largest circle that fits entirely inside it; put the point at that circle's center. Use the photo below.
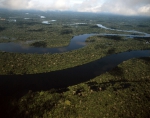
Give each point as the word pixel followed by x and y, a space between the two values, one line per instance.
pixel 89 6
pixel 125 7
pixel 17 4
pixel 128 7
pixel 62 4
pixel 117 7
pixel 145 10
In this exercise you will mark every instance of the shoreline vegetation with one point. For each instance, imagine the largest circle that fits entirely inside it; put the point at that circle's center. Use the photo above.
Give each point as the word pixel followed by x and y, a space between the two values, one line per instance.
pixel 59 32
pixel 121 92
pixel 97 47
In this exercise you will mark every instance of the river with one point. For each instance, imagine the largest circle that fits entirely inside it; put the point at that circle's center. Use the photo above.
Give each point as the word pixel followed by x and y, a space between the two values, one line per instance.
pixel 75 43
pixel 21 84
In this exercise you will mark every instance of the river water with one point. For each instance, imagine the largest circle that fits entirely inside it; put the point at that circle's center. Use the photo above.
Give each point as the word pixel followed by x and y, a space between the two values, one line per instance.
pixel 75 43
pixel 21 84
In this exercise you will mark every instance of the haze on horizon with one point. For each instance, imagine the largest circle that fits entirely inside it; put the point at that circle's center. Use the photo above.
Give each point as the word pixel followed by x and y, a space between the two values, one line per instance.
pixel 127 7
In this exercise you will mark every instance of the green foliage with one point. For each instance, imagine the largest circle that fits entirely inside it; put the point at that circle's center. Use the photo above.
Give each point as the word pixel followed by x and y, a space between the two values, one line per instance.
pixel 117 38
pixel 109 95
pixel 39 44
pixel 122 92
pixel 36 30
pixel 11 63
pixel 66 31
pixel 111 51
pixel 2 28
pixel 32 29
pixel 36 104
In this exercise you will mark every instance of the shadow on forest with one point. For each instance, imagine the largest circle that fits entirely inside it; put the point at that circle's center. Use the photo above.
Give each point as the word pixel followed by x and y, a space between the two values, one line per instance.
pixel 145 59
pixel 39 44
pixel 117 71
pixel 114 85
pixel 2 28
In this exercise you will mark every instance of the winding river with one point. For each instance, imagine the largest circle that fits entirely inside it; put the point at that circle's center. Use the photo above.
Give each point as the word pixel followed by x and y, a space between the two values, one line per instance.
pixel 75 43
pixel 21 84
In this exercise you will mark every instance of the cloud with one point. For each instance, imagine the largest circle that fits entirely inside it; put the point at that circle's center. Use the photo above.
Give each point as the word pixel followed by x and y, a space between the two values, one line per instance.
pixel 145 10
pixel 89 6
pixel 36 4
pixel 51 5
pixel 125 7
pixel 17 4
pixel 128 7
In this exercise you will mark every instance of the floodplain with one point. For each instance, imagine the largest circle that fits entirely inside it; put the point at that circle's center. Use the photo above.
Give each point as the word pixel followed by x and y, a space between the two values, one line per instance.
pixel 74 82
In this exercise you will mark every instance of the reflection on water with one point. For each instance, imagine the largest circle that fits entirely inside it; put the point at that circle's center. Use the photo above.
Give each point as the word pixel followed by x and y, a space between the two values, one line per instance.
pixel 12 20
pixel 21 84
pixel 45 22
pixel 76 43
pixel 53 20
pixel 42 16
pixel 26 18
pixel 130 31
pixel 81 43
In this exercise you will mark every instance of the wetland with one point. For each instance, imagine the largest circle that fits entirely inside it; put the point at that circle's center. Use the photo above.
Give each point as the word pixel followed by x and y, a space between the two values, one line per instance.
pixel 68 66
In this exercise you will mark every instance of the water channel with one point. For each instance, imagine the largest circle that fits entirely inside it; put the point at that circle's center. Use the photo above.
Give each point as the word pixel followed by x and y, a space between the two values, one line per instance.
pixel 21 84
pixel 75 43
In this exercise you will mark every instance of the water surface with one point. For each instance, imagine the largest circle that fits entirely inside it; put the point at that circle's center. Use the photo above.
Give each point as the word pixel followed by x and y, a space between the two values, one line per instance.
pixel 45 22
pixel 75 43
pixel 21 84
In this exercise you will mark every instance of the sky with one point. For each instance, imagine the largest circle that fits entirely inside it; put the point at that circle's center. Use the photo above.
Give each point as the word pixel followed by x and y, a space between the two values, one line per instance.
pixel 123 7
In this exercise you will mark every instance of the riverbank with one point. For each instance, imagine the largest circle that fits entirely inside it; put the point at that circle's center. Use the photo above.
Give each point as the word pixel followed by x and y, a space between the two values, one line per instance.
pixel 13 63
pixel 86 82
pixel 29 27
pixel 121 92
